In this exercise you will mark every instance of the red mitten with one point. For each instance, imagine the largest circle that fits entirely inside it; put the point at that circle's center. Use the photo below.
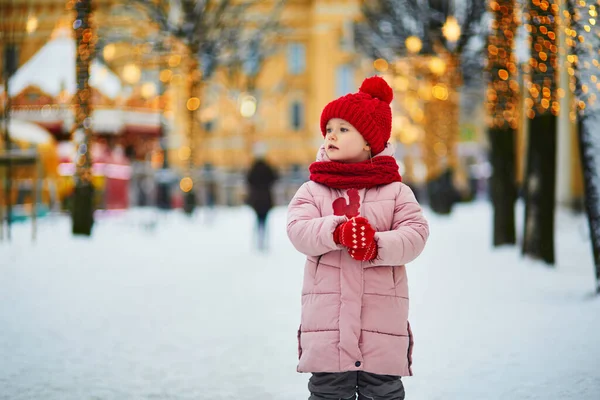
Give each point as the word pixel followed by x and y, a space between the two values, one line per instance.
pixel 356 233
pixel 365 254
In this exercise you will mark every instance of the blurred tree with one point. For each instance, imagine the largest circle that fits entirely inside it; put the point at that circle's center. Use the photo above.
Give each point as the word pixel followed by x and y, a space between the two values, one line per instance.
pixel 11 34
pixel 543 108
pixel 502 105
pixel 584 40
pixel 163 189
pixel 82 213
pixel 439 31
pixel 210 30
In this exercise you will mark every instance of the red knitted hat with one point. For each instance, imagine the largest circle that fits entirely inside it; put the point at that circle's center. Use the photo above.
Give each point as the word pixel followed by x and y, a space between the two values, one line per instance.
pixel 368 111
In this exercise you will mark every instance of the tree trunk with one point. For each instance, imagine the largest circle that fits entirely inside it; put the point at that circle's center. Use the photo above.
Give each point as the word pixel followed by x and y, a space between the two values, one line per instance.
pixel 442 113
pixel 543 107
pixel 189 203
pixel 589 143
pixel 540 183
pixel 10 66
pixel 503 189
pixel 587 113
pixel 82 213
pixel 163 189
pixel 502 107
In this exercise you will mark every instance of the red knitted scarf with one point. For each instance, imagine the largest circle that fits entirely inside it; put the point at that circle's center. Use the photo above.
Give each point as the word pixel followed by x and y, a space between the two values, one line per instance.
pixel 365 174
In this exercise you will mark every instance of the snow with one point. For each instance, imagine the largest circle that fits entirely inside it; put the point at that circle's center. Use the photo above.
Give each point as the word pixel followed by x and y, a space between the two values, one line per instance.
pixel 52 69
pixel 158 306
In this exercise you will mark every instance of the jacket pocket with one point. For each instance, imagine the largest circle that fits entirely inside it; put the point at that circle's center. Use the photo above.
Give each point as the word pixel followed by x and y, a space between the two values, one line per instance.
pixel 317 263
pixel 394 280
pixel 299 343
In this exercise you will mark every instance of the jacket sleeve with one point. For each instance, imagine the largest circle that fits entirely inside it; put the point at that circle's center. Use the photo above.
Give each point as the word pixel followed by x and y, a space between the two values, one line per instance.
pixel 309 232
pixel 409 233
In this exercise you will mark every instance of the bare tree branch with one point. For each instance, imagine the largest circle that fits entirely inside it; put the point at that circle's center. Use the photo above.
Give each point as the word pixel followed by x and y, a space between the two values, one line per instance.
pixel 387 24
pixel 210 29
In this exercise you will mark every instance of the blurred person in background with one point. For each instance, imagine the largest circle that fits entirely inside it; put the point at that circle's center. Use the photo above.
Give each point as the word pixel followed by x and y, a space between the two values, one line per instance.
pixel 260 178
pixel 358 225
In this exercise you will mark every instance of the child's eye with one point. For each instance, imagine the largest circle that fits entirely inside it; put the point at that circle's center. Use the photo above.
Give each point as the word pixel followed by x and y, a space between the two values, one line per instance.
pixel 344 129
pixel 328 130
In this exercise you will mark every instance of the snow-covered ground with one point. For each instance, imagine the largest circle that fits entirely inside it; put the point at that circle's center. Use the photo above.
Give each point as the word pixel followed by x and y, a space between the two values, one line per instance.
pixel 186 309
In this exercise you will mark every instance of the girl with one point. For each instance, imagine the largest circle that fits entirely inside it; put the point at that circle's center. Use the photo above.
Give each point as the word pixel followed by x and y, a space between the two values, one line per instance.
pixel 358 226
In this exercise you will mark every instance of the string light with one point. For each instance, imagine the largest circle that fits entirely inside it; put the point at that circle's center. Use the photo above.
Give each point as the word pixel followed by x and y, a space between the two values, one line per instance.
pixel 193 103
pixel 109 52
pixel 148 90
pixel 186 184
pixel 451 29
pixel 32 24
pixel 440 115
pixel 85 40
pixel 380 65
pixel 132 73
pixel 583 75
pixel 440 92
pixel 437 65
pixel 184 153
pixel 503 89
pixel 166 75
pixel 541 22
pixel 413 44
pixel 174 60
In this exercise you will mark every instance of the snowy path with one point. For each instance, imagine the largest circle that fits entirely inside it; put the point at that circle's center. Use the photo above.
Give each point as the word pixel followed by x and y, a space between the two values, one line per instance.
pixel 189 311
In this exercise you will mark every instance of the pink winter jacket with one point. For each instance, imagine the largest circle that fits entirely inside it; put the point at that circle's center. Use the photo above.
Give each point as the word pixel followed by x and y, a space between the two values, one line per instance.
pixel 355 314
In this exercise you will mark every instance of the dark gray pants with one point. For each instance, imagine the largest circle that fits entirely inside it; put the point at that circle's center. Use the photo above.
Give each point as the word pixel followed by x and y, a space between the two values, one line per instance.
pixel 346 385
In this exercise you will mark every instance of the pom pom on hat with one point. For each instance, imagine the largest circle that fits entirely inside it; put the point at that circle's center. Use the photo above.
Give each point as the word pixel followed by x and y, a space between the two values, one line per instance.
pixel 378 88
pixel 368 110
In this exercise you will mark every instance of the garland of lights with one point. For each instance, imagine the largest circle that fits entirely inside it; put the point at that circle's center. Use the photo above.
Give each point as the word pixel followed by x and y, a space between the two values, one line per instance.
pixel 503 89
pixel 193 104
pixel 85 41
pixel 541 22
pixel 580 22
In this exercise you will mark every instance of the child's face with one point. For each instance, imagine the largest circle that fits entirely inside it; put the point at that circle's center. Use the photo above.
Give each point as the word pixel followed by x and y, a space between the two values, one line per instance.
pixel 344 143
